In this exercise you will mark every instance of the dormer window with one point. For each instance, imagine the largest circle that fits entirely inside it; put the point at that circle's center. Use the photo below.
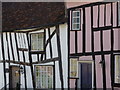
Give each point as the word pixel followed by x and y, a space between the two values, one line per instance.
pixel 76 20
pixel 37 41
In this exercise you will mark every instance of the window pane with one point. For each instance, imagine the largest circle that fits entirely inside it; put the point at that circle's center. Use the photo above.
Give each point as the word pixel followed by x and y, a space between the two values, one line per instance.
pixel 73 67
pixel 45 77
pixel 77 13
pixel 76 20
pixel 38 41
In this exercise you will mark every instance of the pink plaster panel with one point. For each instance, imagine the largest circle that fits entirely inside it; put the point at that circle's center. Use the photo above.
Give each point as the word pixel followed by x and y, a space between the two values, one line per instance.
pixel 88 30
pixel 79 41
pixel 97 41
pixel 95 15
pixel 98 72
pixel 114 14
pixel 101 17
pixel 116 39
pixel 107 63
pixel 86 58
pixel 72 42
pixel 72 83
pixel 108 15
pixel 107 40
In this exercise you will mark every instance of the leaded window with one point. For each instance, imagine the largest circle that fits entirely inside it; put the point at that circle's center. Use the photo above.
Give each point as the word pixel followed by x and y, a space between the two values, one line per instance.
pixel 37 41
pixel 44 76
pixel 76 20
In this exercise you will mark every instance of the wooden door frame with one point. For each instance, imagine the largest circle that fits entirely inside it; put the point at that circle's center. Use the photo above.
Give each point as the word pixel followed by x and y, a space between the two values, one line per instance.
pixel 10 77
pixel 87 61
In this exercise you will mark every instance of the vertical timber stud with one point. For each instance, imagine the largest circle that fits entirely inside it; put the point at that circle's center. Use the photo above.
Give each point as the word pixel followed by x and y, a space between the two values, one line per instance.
pixel 44 44
pixel 11 44
pixel 3 55
pixel 103 59
pixel 104 15
pixel 75 41
pixel 15 34
pixel 60 57
pixel 68 48
pixel 50 43
pixel 92 46
pixel 51 56
pixel 30 60
pixel 112 41
pixel 83 34
pixel 25 79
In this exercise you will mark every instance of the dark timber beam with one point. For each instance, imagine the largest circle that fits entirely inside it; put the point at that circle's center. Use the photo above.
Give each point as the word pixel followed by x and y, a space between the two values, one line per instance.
pixel 44 46
pixel 68 42
pixel 15 62
pixel 76 43
pixel 50 45
pixel 30 60
pixel 47 60
pixel 25 79
pixel 94 53
pixel 60 57
pixel 92 46
pixel 112 41
pixel 102 55
pixel 83 32
pixel 11 44
pixel 50 37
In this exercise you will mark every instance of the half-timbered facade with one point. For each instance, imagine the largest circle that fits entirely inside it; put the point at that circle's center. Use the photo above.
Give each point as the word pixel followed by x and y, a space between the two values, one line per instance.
pixel 93 45
pixel 30 46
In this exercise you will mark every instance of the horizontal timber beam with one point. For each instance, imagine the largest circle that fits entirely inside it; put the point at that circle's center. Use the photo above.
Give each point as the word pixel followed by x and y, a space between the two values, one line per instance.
pixel 15 62
pixel 94 53
pixel 47 60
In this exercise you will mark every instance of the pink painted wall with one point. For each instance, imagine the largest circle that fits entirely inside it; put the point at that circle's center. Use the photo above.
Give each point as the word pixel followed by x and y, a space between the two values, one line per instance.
pixel 97 46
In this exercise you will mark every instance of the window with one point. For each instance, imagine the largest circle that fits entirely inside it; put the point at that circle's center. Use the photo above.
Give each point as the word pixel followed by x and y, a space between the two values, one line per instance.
pixel 74 67
pixel 44 76
pixel 37 42
pixel 76 20
pixel 117 69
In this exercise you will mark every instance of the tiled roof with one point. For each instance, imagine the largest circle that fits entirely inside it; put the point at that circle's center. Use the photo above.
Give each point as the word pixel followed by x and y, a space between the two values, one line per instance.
pixel 26 15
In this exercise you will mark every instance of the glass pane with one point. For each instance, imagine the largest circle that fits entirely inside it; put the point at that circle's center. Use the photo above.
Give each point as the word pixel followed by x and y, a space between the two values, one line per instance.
pixel 78 26
pixel 37 41
pixel 76 13
pixel 73 67
pixel 76 20
pixel 45 77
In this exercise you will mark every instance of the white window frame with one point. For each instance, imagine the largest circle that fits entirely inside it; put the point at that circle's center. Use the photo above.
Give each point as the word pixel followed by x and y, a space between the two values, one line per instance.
pixel 116 69
pixel 87 61
pixel 75 66
pixel 37 48
pixel 76 17
pixel 39 85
